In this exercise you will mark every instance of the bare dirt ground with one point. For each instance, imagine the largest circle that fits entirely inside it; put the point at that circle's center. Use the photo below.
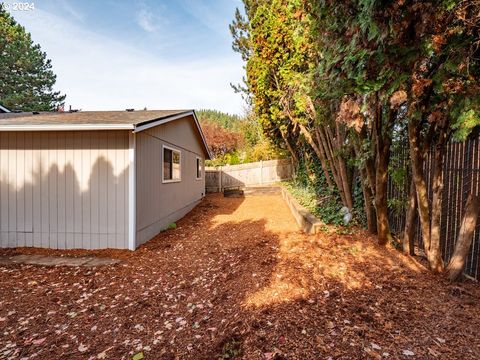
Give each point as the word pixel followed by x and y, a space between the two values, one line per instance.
pixel 237 280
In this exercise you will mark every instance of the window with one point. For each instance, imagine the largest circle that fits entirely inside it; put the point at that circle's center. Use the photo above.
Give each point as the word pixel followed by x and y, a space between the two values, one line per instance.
pixel 199 168
pixel 172 169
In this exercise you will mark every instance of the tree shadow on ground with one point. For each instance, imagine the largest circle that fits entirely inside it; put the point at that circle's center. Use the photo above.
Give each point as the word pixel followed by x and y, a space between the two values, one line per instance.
pixel 343 296
pixel 331 295
pixel 235 279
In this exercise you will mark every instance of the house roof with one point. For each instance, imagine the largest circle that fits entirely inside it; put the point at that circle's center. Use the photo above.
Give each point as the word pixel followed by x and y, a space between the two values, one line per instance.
pixel 85 118
pixel 94 120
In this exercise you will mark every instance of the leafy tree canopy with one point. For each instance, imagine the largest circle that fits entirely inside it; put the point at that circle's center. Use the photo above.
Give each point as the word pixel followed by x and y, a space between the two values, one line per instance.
pixel 224 120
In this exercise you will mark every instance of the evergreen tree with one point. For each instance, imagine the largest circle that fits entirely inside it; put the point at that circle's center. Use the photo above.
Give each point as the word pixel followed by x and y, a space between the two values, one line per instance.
pixel 26 76
pixel 339 78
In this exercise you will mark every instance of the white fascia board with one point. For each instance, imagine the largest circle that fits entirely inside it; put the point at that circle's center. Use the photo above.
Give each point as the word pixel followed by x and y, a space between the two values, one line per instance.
pixel 66 127
pixel 161 121
pixel 201 134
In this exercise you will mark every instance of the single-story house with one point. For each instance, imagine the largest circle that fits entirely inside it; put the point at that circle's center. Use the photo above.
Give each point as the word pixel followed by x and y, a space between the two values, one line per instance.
pixel 99 179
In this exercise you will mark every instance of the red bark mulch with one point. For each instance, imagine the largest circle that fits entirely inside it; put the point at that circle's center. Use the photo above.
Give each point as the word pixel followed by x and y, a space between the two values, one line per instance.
pixel 237 280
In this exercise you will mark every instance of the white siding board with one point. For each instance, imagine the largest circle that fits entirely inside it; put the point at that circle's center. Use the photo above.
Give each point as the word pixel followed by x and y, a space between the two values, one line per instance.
pixel 120 190
pixel 103 239
pixel 77 196
pixel 20 169
pixel 111 201
pixel 69 188
pixel 12 175
pixel 94 192
pixel 69 240
pixel 4 188
pixel 4 239
pixel 103 181
pixel 28 239
pixel 44 190
pixel 87 165
pixel 61 191
pixel 28 190
pixel 36 190
pixel 64 189
pixel 52 171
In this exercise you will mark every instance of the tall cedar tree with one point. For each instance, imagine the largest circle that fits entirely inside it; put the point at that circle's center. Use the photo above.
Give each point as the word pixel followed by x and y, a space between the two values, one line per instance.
pixel 275 40
pixel 26 76
pixel 344 76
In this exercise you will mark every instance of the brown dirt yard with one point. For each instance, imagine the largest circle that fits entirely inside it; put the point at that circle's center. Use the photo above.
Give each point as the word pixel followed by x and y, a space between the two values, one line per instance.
pixel 236 279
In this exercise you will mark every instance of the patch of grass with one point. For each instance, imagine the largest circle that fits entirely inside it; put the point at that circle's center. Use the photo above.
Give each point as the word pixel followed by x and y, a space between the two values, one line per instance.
pixel 344 230
pixel 324 228
pixel 231 349
pixel 352 250
pixel 172 226
pixel 138 356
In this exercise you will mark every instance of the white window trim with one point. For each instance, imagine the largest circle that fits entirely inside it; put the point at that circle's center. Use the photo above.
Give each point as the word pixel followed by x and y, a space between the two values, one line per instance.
pixel 201 168
pixel 163 168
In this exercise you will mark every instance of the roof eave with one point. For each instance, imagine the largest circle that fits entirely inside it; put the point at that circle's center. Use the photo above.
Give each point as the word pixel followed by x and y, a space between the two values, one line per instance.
pixel 4 109
pixel 66 127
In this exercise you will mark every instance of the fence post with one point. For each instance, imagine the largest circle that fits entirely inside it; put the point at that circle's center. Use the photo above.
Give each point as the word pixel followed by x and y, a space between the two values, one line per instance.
pixel 220 179
pixel 291 174
pixel 261 171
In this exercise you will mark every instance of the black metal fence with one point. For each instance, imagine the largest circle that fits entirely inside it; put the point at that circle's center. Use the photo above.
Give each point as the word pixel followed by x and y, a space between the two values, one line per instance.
pixel 461 167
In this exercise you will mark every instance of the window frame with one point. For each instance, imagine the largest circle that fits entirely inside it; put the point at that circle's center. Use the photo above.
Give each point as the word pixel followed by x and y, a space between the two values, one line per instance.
pixel 198 158
pixel 172 149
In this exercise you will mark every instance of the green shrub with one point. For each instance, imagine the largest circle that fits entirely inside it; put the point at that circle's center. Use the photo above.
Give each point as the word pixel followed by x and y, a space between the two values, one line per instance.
pixel 171 226
pixel 325 206
pixel 309 188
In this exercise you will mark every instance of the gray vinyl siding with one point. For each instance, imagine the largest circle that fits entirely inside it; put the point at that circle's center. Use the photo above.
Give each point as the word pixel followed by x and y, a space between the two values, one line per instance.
pixel 64 190
pixel 159 204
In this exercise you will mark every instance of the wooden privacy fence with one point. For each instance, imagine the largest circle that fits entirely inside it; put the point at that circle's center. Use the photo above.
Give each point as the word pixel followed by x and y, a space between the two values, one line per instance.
pixel 461 167
pixel 251 174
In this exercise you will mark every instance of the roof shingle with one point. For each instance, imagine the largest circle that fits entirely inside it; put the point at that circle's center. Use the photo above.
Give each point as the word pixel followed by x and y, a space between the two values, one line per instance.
pixel 87 117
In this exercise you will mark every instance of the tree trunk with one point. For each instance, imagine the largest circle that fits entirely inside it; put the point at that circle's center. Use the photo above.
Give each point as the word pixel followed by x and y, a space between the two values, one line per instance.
pixel 368 204
pixel 325 142
pixel 383 228
pixel 465 236
pixel 435 252
pixel 338 165
pixel 340 136
pixel 417 158
pixel 382 143
pixel 318 152
pixel 289 147
pixel 323 161
pixel 370 169
pixel 411 216
pixel 368 196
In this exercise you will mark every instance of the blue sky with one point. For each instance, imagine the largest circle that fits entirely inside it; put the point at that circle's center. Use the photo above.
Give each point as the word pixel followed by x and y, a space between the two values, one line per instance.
pixel 160 54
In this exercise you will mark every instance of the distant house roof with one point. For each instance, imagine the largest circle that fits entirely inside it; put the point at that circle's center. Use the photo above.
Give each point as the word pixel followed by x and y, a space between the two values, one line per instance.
pixel 94 120
pixel 3 109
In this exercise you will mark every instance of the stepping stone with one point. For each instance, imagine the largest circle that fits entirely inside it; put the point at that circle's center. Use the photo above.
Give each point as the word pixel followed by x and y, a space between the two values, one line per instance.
pixel 56 260
pixel 100 262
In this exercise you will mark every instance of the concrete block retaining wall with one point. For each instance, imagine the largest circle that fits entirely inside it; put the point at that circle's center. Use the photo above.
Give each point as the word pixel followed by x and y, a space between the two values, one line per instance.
pixel 307 222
